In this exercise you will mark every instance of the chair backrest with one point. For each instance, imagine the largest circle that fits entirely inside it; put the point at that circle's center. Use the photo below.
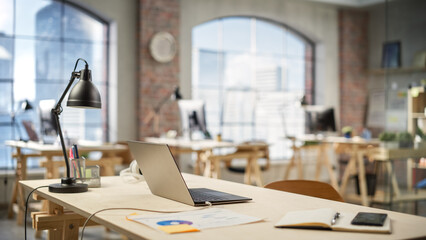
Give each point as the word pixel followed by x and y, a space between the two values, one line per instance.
pixel 307 187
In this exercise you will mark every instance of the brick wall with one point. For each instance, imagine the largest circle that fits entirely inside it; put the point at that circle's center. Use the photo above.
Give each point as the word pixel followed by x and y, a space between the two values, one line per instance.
pixel 157 80
pixel 353 62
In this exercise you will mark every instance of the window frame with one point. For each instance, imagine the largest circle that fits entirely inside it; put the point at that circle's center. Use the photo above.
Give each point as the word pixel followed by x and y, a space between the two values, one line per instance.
pixel 309 65
pixel 62 41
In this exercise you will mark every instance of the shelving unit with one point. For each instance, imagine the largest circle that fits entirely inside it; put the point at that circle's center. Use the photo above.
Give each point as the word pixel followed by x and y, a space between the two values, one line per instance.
pixel 415 113
pixel 405 70
pixel 416 109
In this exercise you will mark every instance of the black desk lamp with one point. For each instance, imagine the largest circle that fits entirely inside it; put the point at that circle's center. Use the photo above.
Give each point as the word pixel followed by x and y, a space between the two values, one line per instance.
pixel 83 95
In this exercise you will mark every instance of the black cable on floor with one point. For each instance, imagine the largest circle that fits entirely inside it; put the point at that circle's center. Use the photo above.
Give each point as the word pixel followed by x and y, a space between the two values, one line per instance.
pixel 26 208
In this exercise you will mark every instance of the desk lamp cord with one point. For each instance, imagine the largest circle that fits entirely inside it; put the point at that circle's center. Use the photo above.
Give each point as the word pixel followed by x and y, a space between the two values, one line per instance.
pixel 209 204
pixel 26 209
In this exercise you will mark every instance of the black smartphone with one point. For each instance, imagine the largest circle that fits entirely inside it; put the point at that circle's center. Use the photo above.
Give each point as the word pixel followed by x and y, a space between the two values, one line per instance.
pixel 369 219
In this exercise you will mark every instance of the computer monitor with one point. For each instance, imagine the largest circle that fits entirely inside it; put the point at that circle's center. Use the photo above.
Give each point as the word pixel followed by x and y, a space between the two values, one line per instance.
pixel 320 119
pixel 193 119
pixel 48 126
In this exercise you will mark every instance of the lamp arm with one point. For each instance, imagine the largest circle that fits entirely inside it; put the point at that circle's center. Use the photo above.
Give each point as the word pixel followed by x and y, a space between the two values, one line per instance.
pixel 63 145
pixel 58 105
pixel 163 101
pixel 57 111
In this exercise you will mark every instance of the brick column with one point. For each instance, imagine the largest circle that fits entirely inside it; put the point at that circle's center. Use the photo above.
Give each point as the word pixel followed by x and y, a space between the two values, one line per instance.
pixel 157 80
pixel 353 63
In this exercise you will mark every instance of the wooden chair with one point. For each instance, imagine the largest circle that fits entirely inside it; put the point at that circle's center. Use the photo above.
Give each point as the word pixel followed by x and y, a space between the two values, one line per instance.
pixel 307 187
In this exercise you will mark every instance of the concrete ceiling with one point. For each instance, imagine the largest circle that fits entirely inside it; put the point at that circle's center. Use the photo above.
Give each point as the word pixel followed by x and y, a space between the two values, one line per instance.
pixel 351 3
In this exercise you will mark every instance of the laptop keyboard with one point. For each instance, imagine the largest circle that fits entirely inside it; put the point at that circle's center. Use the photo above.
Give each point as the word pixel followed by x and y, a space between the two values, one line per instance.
pixel 198 196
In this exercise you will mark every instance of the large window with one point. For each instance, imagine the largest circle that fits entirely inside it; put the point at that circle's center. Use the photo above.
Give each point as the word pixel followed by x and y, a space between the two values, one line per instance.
pixel 252 74
pixel 40 40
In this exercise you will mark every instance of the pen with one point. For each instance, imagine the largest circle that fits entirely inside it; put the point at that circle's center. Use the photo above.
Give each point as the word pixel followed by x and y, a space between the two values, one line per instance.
pixel 76 151
pixel 71 155
pixel 336 216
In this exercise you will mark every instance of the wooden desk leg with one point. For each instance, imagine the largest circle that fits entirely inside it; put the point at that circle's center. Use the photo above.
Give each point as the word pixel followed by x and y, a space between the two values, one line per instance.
pixel 247 174
pixel 361 178
pixel 20 192
pixel 16 185
pixel 71 228
pixel 291 164
pixel 55 233
pixel 13 199
pixel 60 224
pixel 319 163
pixel 346 174
pixel 409 174
pixel 257 172
pixel 299 165
pixel 197 168
pixel 216 168
pixel 208 168
pixel 326 162
pixel 394 182
pixel 51 171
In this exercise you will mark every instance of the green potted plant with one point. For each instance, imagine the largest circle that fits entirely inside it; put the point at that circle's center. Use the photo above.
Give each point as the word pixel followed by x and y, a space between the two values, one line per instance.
pixel 388 140
pixel 405 140
pixel 347 131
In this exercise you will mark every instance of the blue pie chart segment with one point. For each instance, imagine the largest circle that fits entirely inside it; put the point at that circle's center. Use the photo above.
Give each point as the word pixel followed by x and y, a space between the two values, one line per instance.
pixel 173 222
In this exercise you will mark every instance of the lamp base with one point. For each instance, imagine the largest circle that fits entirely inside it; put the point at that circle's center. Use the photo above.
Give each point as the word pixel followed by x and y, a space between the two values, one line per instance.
pixel 68 185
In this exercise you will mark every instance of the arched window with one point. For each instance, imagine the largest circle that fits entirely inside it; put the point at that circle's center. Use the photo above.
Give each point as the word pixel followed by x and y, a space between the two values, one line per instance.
pixel 251 73
pixel 40 40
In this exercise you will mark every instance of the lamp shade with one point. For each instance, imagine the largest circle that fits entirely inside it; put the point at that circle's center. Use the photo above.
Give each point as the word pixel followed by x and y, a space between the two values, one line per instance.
pixel 84 94
pixel 26 105
pixel 176 95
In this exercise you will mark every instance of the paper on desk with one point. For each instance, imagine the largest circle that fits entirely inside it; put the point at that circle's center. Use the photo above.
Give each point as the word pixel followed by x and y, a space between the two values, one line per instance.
pixel 199 219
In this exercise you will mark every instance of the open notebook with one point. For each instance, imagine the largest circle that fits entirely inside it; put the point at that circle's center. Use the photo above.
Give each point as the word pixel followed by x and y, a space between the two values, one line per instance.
pixel 322 218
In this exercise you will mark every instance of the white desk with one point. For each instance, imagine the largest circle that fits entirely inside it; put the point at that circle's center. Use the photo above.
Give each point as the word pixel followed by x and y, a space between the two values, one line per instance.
pixel 268 204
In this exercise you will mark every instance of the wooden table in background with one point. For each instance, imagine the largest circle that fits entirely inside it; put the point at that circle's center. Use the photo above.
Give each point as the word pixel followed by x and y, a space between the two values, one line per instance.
pixel 107 163
pixel 208 163
pixel 267 204
pixel 203 148
pixel 351 146
pixel 385 156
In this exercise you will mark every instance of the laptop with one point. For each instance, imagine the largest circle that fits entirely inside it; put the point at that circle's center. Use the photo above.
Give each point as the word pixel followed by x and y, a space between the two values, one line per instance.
pixel 30 129
pixel 165 180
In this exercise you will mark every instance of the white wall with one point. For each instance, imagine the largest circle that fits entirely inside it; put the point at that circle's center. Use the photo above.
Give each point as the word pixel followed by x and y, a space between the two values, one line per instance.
pixel 123 18
pixel 316 21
